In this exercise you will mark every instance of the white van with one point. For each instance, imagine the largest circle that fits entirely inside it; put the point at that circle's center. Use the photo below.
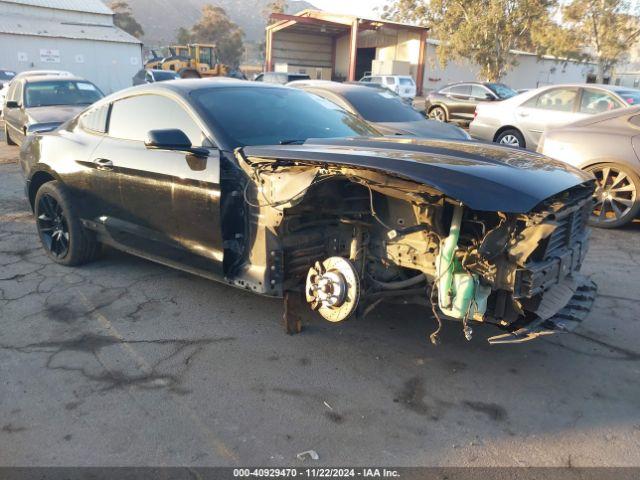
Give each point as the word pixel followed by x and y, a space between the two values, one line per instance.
pixel 403 85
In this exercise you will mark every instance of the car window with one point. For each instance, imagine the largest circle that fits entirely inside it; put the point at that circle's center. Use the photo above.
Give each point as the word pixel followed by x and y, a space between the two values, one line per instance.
pixel 331 97
pixel 6 75
pixel 558 99
pixel 132 118
pixel 17 93
pixel 148 76
pixel 381 106
pixel 277 115
pixel 11 91
pixel 597 101
pixel 365 79
pixel 95 119
pixel 406 81
pixel 460 90
pixel 298 76
pixel 632 97
pixel 60 92
pixel 390 80
pixel 501 90
pixel 259 78
pixel 376 79
pixel 478 91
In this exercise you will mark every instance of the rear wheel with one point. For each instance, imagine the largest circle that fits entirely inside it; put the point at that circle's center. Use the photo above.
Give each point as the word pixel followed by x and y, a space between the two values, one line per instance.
pixel 7 137
pixel 616 195
pixel 512 138
pixel 63 237
pixel 189 73
pixel 438 113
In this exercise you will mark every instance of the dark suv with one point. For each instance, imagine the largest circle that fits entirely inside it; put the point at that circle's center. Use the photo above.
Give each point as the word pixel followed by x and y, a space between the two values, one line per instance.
pixel 457 101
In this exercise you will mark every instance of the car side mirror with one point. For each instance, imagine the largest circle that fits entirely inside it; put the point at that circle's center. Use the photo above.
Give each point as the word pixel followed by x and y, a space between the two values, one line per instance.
pixel 13 104
pixel 172 139
pixel 489 97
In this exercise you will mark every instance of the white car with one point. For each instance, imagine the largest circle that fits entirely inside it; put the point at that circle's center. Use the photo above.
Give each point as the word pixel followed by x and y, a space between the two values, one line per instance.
pixel 403 85
pixel 520 121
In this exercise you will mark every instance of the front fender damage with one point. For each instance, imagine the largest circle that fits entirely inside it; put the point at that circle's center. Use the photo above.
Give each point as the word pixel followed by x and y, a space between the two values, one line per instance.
pixel 349 238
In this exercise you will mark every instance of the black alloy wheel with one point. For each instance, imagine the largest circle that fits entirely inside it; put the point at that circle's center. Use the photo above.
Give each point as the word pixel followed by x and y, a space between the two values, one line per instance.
pixel 63 237
pixel 52 226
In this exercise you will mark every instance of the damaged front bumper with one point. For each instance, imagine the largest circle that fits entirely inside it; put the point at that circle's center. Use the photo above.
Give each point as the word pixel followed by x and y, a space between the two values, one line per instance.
pixel 566 320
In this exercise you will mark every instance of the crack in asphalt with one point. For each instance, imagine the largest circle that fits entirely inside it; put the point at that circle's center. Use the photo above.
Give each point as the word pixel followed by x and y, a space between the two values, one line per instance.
pixel 111 379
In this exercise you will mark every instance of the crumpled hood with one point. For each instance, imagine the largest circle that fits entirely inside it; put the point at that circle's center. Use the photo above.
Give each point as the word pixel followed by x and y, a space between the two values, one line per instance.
pixel 483 176
pixel 54 114
pixel 423 129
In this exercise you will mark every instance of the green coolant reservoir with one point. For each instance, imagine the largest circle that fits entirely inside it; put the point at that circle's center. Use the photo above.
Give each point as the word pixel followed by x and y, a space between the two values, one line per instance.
pixel 460 294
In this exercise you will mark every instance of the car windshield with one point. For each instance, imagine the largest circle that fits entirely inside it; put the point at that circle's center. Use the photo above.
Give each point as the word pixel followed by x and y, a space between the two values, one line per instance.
pixel 501 90
pixel 632 97
pixel 381 106
pixel 161 75
pixel 269 116
pixel 61 92
pixel 6 75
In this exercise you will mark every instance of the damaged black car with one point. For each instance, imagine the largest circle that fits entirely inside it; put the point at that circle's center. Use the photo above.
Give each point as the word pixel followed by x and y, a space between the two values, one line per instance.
pixel 282 193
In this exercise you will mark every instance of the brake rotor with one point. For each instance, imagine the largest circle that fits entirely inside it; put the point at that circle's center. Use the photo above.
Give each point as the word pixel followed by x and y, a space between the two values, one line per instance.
pixel 333 288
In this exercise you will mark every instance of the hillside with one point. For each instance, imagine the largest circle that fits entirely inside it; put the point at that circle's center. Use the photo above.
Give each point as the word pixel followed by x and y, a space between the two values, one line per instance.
pixel 160 19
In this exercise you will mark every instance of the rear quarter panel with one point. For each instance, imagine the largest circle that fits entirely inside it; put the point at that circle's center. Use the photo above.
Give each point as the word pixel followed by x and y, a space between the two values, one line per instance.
pixel 65 156
pixel 583 148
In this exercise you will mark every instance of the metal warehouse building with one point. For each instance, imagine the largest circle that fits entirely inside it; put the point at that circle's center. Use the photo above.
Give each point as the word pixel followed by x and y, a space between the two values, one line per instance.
pixel 74 35
pixel 342 47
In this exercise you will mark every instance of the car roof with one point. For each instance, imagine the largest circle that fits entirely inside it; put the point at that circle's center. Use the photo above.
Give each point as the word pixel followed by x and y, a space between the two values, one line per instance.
pixel 185 86
pixel 49 78
pixel 39 73
pixel 340 88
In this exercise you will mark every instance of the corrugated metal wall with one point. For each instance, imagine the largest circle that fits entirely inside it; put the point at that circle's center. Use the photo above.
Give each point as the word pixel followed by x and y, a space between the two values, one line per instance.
pixel 302 49
pixel 109 65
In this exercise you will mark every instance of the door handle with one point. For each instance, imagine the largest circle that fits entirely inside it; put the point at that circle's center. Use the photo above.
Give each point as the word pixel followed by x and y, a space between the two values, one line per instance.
pixel 523 114
pixel 103 164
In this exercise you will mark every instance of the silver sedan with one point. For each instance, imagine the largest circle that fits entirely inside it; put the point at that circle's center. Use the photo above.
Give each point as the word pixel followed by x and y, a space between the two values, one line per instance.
pixel 520 121
pixel 608 146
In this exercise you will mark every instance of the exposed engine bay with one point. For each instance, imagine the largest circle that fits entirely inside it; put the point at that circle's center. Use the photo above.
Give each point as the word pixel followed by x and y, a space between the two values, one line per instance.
pixel 347 239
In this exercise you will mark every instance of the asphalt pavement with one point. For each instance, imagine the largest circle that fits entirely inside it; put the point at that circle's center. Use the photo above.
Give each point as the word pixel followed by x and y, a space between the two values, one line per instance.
pixel 125 362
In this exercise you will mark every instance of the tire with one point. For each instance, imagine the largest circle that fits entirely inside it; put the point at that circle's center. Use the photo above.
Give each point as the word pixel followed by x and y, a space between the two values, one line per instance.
pixel 189 73
pixel 439 114
pixel 617 195
pixel 63 237
pixel 7 137
pixel 511 138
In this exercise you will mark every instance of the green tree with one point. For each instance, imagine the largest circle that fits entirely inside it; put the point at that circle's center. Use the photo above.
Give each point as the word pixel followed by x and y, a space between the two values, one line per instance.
pixel 485 32
pixel 607 28
pixel 184 36
pixel 123 18
pixel 216 27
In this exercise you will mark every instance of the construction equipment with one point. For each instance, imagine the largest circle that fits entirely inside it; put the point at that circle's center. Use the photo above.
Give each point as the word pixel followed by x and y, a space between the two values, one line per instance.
pixel 190 61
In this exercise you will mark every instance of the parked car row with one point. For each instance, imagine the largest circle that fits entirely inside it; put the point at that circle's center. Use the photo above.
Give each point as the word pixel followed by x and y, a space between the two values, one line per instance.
pixel 542 119
pixel 592 127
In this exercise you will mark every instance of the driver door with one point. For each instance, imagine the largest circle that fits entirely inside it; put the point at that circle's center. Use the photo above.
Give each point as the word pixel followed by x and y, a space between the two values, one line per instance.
pixel 169 201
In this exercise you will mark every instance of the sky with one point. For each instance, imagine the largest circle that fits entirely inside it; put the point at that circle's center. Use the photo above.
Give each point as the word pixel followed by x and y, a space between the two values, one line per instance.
pixel 361 8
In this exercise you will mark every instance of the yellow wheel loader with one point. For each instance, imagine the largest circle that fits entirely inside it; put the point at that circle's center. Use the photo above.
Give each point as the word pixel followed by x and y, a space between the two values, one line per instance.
pixel 190 61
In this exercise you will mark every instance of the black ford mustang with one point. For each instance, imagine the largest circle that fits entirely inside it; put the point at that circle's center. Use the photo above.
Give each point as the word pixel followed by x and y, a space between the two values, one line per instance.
pixel 282 193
